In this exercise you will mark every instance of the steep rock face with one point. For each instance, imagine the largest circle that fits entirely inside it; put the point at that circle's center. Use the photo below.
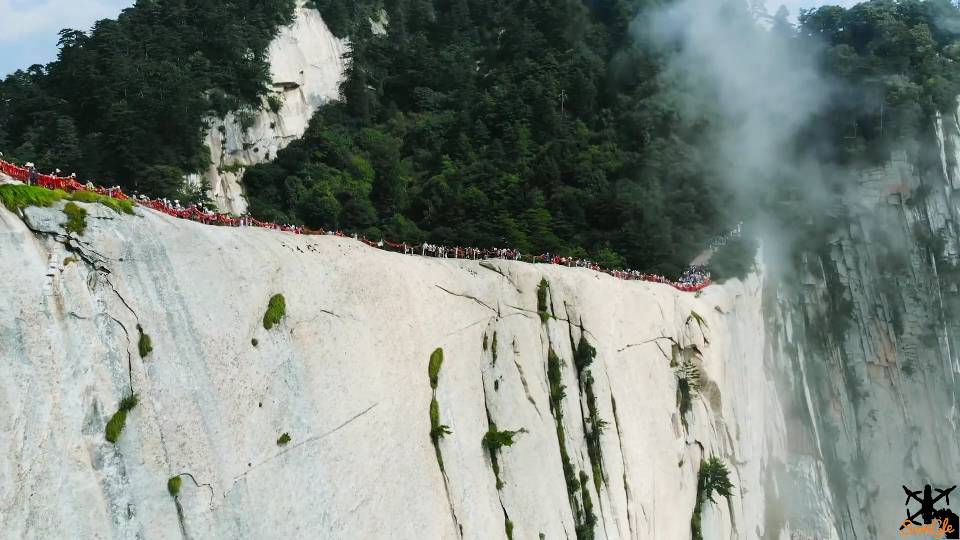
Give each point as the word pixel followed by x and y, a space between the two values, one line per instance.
pixel 345 373
pixel 307 65
pixel 866 339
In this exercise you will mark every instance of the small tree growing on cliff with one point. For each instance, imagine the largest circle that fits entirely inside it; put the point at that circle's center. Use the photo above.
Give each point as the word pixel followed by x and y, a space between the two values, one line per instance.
pixel 713 477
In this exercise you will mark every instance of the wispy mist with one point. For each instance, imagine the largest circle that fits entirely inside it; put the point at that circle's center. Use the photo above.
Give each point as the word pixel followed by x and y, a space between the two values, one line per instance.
pixel 760 89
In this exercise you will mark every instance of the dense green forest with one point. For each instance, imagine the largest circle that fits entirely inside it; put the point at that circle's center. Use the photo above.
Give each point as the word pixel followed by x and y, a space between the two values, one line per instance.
pixel 539 125
pixel 125 103
pixel 895 63
pixel 545 125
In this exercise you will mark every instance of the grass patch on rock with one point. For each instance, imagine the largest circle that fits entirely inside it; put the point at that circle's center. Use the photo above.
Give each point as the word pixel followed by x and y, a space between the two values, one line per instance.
pixel 276 311
pixel 542 307
pixel 144 344
pixel 433 369
pixel 16 197
pixel 173 485
pixel 116 423
pixel 437 429
pixel 118 206
pixel 76 218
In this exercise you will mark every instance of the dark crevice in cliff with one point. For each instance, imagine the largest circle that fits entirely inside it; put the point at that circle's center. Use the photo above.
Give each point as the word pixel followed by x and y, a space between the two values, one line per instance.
pixel 176 500
pixel 494 461
pixel 180 519
pixel 97 263
pixel 129 354
pixel 651 340
pixel 438 431
pixel 568 321
pixel 526 387
pixel 489 266
pixel 198 484
pixel 474 298
pixel 583 357
pixel 581 507
pixel 627 491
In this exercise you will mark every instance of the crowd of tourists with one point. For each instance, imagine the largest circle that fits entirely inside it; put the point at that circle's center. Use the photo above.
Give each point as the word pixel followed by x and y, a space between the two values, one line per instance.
pixel 693 280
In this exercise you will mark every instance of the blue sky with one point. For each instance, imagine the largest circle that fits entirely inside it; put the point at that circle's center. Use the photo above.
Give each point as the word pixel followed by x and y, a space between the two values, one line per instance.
pixel 30 26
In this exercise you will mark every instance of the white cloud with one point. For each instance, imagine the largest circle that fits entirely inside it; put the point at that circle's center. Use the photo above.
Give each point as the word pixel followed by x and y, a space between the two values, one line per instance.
pixel 27 18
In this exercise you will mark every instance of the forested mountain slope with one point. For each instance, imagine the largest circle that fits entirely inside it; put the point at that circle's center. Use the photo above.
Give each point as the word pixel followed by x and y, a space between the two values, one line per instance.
pixel 125 103
pixel 544 125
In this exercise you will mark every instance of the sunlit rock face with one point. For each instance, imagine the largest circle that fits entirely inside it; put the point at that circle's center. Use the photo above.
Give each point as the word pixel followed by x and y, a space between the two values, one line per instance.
pixel 345 374
pixel 307 65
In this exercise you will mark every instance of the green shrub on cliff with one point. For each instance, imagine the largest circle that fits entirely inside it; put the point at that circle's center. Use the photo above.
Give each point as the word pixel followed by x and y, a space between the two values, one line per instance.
pixel 713 478
pixel 144 344
pixel 542 307
pixel 173 485
pixel 118 420
pixel 436 360
pixel 276 310
pixel 494 439
pixel 115 426
pixel 76 218
pixel 437 430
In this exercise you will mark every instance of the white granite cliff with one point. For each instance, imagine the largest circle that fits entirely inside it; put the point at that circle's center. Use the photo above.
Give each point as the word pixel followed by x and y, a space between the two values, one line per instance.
pixel 345 374
pixel 306 65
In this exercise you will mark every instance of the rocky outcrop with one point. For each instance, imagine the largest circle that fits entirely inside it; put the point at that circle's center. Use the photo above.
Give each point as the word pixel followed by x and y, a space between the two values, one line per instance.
pixel 345 374
pixel 307 65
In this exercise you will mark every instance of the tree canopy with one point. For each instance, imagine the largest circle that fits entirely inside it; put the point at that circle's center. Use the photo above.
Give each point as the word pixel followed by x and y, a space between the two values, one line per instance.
pixel 539 125
pixel 894 63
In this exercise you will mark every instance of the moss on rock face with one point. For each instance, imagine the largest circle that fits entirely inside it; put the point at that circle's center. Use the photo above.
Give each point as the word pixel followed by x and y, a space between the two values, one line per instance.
pixel 542 306
pixel 119 419
pixel 173 485
pixel 16 197
pixel 144 344
pixel 115 426
pixel 76 218
pixel 436 361
pixel 276 311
